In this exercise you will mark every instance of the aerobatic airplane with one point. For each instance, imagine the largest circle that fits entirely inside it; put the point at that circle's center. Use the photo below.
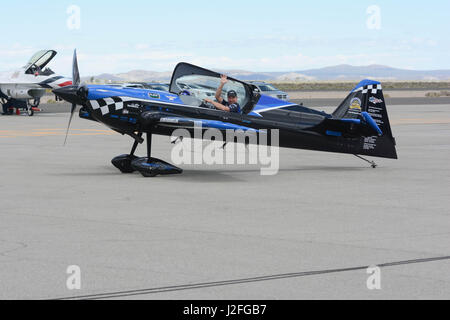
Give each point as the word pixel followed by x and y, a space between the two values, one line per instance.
pixel 359 126
pixel 23 88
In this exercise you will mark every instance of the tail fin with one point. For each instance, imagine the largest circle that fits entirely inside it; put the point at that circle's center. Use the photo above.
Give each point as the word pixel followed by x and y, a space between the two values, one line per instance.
pixel 366 104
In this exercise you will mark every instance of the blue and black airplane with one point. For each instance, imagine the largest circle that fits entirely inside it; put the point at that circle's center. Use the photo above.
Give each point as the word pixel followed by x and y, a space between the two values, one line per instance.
pixel 359 126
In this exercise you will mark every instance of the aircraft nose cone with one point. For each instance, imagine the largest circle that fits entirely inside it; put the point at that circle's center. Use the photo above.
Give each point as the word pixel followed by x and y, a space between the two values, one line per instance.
pixel 70 94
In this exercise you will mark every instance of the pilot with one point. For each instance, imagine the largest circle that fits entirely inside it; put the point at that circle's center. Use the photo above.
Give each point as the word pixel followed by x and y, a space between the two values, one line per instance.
pixel 230 105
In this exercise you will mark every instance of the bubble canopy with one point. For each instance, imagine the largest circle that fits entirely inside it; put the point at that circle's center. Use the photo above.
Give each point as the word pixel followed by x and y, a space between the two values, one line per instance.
pixel 40 59
pixel 202 83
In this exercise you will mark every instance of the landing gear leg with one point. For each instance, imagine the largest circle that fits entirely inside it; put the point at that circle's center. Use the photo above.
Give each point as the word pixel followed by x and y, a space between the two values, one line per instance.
pixel 135 145
pixel 123 162
pixel 30 111
pixel 372 163
pixel 151 167
pixel 149 147
pixel 8 106
pixel 32 106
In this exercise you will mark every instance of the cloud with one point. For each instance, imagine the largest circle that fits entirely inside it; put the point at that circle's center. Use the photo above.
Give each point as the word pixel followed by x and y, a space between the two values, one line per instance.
pixel 94 64
pixel 288 62
pixel 15 56
pixel 143 56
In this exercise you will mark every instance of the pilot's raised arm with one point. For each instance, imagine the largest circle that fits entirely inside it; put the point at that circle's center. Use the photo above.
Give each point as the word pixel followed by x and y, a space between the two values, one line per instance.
pixel 223 82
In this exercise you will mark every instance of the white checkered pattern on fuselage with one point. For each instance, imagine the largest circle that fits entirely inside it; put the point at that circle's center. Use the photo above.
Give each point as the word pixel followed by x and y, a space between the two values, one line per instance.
pixel 116 103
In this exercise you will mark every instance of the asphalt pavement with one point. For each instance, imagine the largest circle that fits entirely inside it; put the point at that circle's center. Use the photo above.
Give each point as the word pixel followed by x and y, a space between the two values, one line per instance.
pixel 223 232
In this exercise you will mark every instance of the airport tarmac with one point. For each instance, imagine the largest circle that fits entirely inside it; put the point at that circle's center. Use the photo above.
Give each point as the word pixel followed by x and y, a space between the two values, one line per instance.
pixel 223 232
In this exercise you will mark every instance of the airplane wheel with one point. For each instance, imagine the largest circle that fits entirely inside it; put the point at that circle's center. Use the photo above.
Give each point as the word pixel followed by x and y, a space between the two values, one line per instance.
pixel 123 163
pixel 30 112
pixel 154 167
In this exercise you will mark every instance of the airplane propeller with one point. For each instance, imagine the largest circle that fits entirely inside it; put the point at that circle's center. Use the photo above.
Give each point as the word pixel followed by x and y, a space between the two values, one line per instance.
pixel 75 94
pixel 75 72
pixel 75 82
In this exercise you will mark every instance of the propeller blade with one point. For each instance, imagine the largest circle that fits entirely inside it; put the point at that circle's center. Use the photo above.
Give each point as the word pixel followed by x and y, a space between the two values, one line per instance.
pixel 75 73
pixel 74 106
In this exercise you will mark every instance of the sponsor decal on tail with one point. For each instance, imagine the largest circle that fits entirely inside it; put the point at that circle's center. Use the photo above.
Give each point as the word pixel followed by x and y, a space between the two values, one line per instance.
pixel 365 109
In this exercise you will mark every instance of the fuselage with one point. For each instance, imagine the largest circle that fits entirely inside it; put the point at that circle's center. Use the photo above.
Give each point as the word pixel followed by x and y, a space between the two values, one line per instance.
pixel 19 85
pixel 130 110
pixel 105 103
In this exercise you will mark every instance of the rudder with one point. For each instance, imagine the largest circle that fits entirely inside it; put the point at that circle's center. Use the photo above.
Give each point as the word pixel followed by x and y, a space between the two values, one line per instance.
pixel 366 103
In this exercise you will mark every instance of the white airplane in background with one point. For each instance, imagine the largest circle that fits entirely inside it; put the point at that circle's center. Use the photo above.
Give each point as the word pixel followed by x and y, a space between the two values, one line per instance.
pixel 23 88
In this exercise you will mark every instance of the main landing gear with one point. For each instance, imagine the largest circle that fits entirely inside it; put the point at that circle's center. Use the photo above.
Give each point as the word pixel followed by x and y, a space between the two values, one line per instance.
pixel 13 106
pixel 147 166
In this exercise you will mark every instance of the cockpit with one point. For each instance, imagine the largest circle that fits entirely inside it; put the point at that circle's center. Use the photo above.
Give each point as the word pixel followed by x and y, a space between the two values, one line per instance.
pixel 38 62
pixel 194 84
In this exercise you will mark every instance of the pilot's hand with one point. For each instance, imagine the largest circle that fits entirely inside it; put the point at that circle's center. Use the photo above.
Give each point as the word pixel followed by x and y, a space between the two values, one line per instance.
pixel 223 79
pixel 209 103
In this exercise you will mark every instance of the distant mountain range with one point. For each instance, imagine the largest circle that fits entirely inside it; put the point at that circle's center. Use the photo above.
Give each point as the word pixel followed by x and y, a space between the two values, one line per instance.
pixel 335 73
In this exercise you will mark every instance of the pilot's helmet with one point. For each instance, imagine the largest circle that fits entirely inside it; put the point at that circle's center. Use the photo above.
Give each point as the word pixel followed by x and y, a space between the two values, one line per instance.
pixel 185 93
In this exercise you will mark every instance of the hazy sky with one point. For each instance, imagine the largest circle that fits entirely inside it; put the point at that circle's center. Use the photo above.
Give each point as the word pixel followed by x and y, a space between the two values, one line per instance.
pixel 116 36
